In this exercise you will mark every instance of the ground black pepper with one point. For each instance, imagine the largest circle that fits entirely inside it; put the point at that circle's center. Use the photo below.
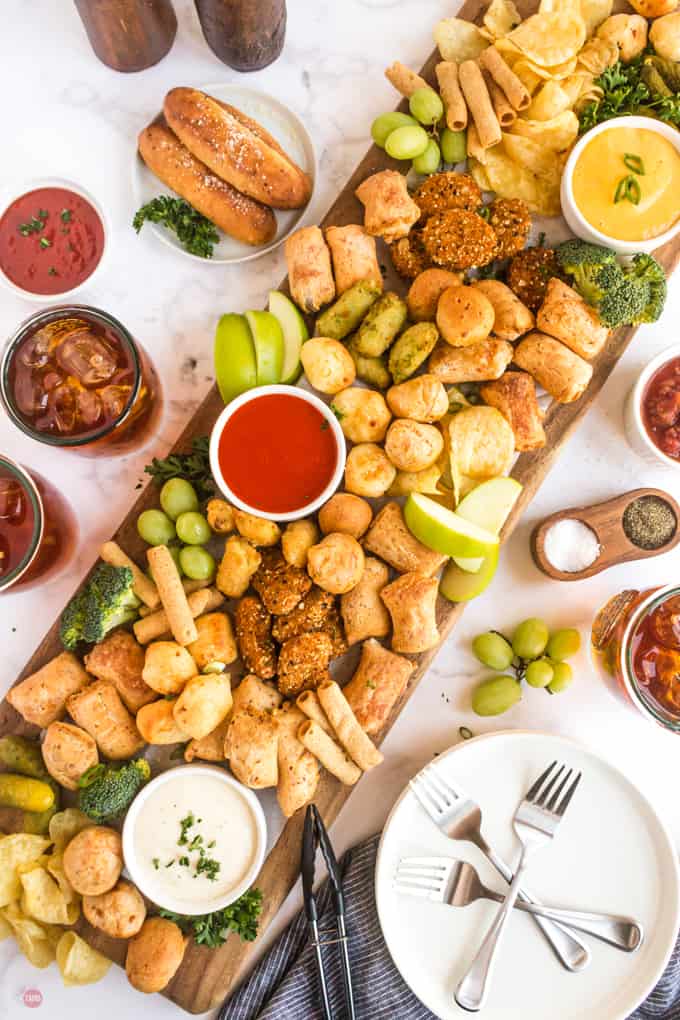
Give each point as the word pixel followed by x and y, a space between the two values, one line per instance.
pixel 649 522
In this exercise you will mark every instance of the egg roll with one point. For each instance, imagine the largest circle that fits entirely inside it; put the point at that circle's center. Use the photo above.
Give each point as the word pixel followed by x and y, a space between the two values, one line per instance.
pixel 514 395
pixel 41 698
pixel 566 316
pixel 377 685
pixel 404 79
pixel 479 104
pixel 349 733
pixel 452 97
pixel 554 367
pixel 389 210
pixel 390 539
pixel 308 703
pixel 308 261
pixel 501 104
pixel 100 712
pixel 515 91
pixel 354 256
pixel 299 770
pixel 331 755
pixel 476 363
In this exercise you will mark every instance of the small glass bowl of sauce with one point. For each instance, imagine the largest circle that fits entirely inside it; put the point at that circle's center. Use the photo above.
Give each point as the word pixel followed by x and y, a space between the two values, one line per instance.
pixel 277 452
pixel 652 410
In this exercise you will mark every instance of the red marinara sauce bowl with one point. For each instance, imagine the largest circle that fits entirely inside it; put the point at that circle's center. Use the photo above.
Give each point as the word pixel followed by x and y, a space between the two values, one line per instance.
pixel 277 452
pixel 53 239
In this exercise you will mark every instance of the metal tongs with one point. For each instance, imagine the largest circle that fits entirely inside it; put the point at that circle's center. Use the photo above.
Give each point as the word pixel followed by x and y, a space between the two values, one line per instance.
pixel 315 837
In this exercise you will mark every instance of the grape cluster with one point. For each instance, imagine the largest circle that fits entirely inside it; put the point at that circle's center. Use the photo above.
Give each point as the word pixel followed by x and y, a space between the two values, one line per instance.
pixel 534 655
pixel 180 519
pixel 420 136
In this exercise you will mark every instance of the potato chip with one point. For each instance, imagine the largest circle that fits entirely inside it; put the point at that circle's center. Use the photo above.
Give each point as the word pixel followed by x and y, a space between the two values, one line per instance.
pixel 78 962
pixel 548 6
pixel 526 73
pixel 44 901
pixel 55 866
pixel 509 180
pixel 550 39
pixel 550 100
pixel 17 850
pixel 482 446
pixel 557 134
pixel 416 481
pixel 5 928
pixel 529 153
pixel 67 824
pixel 558 72
pixel 574 84
pixel 597 54
pixel 459 40
pixel 594 12
pixel 501 17
pixel 32 938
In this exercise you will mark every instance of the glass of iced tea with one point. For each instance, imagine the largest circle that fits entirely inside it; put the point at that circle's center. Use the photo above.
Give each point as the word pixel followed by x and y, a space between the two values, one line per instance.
pixel 38 529
pixel 73 377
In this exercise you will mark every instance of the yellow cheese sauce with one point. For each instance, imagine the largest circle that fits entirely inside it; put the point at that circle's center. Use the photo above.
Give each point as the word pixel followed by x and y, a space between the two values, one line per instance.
pixel 602 166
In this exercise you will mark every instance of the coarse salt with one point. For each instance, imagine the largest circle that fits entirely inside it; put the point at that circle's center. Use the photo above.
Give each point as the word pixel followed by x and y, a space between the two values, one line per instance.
pixel 570 545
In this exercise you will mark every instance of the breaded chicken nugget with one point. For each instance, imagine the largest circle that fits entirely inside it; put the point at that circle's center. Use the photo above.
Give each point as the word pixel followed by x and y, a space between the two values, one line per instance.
pixel 457 239
pixel 409 258
pixel 254 637
pixel 511 219
pixel 311 613
pixel 448 190
pixel 303 663
pixel 280 585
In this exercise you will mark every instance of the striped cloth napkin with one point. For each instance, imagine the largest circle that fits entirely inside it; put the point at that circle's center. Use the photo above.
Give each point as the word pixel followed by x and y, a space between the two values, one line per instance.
pixel 284 984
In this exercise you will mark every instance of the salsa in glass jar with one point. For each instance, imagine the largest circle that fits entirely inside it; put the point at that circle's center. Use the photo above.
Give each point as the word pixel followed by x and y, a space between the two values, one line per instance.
pixel 661 408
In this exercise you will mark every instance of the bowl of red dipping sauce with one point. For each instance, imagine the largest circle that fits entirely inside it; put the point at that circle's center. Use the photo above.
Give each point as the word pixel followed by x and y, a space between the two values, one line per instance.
pixel 277 452
pixel 652 412
pixel 53 239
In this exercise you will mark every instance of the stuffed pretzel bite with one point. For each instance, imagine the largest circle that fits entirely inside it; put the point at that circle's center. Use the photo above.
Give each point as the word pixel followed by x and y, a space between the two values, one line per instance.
pixel 154 954
pixel 425 291
pixel 346 513
pixel 368 471
pixel 464 316
pixel 422 399
pixel 413 446
pixel 363 414
pixel 93 860
pixel 120 912
pixel 336 563
pixel 328 365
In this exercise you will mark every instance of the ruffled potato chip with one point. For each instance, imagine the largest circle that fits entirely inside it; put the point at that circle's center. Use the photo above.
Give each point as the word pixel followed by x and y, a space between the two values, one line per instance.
pixel 33 939
pixel 549 101
pixel 500 18
pixel 67 824
pixel 44 901
pixel 550 39
pixel 78 962
pixel 459 40
pixel 17 850
pixel 558 72
pixel 426 481
pixel 557 134
pixel 482 445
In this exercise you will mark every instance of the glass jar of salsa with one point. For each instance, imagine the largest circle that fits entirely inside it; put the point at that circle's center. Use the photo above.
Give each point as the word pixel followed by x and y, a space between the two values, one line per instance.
pixel 38 529
pixel 635 638
pixel 73 377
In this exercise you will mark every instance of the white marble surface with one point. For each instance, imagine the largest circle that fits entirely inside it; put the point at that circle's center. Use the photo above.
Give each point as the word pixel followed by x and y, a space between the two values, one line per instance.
pixel 72 116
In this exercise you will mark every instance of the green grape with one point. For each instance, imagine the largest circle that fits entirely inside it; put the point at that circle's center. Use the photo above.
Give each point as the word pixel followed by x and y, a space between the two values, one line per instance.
pixel 492 650
pixel 539 673
pixel 407 142
pixel 177 497
pixel 197 563
pixel 453 145
pixel 563 644
pixel 530 638
pixel 155 527
pixel 429 160
pixel 562 677
pixel 386 123
pixel 496 695
pixel 192 528
pixel 426 106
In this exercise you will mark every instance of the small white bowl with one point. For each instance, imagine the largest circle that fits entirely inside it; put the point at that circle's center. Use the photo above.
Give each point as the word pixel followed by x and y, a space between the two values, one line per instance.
pixel 11 195
pixel 255 394
pixel 636 433
pixel 179 905
pixel 572 214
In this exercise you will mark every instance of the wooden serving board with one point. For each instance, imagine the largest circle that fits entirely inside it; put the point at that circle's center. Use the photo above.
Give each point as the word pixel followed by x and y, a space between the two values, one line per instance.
pixel 206 977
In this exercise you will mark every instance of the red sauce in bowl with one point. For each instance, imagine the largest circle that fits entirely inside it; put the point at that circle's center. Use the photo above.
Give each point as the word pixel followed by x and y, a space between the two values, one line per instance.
pixel 51 240
pixel 277 453
pixel 661 409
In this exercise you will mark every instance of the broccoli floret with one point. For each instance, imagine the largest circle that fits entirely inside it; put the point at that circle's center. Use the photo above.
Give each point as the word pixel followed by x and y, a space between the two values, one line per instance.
pixel 645 269
pixel 106 601
pixel 576 256
pixel 106 792
pixel 71 625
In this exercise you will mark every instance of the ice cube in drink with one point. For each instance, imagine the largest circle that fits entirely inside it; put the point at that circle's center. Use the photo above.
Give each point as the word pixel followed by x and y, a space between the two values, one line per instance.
pixel 12 501
pixel 87 357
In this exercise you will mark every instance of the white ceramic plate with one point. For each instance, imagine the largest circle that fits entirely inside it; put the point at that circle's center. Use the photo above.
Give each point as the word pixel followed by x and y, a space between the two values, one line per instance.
pixel 612 853
pixel 288 130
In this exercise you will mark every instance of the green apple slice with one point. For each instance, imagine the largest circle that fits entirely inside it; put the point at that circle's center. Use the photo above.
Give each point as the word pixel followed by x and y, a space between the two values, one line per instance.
pixel 441 529
pixel 488 506
pixel 460 585
pixel 268 340
pixel 294 334
pixel 235 366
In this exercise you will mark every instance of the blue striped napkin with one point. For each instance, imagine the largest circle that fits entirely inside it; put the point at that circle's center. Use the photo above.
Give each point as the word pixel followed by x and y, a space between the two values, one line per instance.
pixel 284 984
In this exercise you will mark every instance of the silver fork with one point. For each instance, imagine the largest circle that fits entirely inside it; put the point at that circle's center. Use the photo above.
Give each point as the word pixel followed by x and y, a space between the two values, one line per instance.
pixel 535 823
pixel 456 883
pixel 460 818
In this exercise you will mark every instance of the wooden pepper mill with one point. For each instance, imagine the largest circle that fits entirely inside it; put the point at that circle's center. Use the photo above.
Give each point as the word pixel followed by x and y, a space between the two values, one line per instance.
pixel 245 34
pixel 129 35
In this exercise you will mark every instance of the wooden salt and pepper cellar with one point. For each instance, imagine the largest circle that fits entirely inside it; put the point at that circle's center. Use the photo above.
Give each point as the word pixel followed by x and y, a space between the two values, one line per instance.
pixel 129 35
pixel 245 34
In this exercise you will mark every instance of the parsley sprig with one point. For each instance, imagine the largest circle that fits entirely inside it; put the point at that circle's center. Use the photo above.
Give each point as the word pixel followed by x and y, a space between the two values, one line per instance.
pixel 194 467
pixel 194 231
pixel 211 930
pixel 636 87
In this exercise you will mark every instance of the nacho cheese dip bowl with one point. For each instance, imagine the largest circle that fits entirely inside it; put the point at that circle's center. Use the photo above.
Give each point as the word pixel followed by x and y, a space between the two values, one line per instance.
pixel 639 156
pixel 194 839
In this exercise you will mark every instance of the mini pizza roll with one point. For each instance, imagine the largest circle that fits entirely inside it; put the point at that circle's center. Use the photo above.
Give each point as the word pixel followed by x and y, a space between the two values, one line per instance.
pixel 452 97
pixel 252 748
pixel 511 318
pixel 368 471
pixel 220 515
pixel 464 316
pixel 254 637
pixel 425 291
pixel 41 698
pixel 363 414
pixel 404 79
pixel 68 752
pixel 554 367
pixel 210 747
pixel 296 541
pixel 303 662
pixel 411 601
pixel 346 513
pixel 566 316
pixel 143 586
pixel 93 860
pixel 422 399
pixel 413 446
pixel 154 954
pixel 101 713
pixel 359 747
pixel 309 704
pixel 377 685
pixel 172 594
pixel 119 659
pixel 158 725
pixel 354 257
pixel 336 563
pixel 204 702
pixel 478 362
pixel 389 210
pixel 158 624
pixel 168 666
pixel 390 539
pixel 328 365
pixel 331 755
pixel 506 79
pixel 238 564
pixel 215 641
pixel 256 529
pixel 514 395
pixel 479 104
pixel 299 770
pixel 363 611
pixel 308 262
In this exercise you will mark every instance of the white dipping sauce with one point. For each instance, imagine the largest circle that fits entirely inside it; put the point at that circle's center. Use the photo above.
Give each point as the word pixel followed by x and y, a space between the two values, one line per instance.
pixel 219 815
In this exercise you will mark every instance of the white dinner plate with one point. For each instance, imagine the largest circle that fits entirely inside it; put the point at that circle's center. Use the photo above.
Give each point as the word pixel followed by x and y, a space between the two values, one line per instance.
pixel 611 853
pixel 291 134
